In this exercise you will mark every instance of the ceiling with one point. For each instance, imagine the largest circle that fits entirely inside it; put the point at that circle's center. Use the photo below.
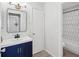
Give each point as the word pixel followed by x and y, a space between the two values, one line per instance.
pixel 69 4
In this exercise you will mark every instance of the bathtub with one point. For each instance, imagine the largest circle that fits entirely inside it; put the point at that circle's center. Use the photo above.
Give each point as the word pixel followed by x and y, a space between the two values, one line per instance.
pixel 72 46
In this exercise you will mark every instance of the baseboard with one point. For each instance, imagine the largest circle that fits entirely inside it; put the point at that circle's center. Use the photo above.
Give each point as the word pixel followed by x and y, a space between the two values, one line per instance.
pixel 37 52
pixel 50 53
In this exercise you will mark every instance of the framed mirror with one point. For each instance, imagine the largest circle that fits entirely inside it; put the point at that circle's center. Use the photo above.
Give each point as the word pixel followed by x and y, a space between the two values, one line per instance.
pixel 16 21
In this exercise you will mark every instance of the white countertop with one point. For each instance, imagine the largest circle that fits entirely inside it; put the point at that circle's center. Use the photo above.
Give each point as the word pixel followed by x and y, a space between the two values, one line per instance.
pixel 13 41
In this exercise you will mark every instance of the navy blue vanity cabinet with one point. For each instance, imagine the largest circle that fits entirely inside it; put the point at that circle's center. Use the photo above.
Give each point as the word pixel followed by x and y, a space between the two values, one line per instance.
pixel 28 52
pixel 10 51
pixel 20 50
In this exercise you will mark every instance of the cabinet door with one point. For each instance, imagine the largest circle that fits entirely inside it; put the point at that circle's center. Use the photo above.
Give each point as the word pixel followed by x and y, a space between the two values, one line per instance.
pixel 10 52
pixel 21 50
pixel 25 49
pixel 28 49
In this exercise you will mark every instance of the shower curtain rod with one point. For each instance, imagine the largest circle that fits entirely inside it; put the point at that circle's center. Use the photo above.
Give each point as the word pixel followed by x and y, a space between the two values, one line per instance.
pixel 71 11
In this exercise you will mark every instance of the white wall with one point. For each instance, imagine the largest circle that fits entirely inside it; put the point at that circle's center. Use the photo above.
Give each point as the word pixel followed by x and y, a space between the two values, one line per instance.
pixel 37 5
pixel 53 28
pixel 0 29
pixel 0 23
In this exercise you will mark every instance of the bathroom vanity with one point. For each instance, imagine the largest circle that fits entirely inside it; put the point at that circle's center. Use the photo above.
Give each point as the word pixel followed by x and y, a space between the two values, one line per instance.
pixel 17 48
pixel 14 25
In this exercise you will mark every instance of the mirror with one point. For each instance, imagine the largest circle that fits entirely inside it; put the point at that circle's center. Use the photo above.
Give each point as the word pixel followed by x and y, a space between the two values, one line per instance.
pixel 16 21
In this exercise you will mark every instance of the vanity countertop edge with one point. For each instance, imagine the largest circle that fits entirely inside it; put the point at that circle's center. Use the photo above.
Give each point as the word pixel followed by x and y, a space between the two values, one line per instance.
pixel 11 42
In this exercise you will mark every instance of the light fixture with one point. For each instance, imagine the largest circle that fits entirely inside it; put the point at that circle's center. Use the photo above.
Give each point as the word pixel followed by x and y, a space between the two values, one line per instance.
pixel 18 5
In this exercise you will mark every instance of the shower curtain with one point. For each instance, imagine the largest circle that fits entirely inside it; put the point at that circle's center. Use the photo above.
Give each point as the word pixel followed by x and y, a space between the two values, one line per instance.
pixel 71 25
pixel 71 30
